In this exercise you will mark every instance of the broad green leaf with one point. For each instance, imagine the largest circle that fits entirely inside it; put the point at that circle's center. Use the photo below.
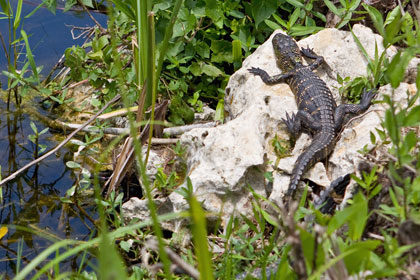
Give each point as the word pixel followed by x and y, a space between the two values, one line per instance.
pixel 213 10
pixel 396 68
pixel 262 10
pixel 361 253
pixel 211 70
pixel 413 117
pixel 202 49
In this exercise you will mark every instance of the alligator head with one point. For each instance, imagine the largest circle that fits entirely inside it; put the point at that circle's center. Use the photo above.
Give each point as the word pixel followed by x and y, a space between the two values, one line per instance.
pixel 287 52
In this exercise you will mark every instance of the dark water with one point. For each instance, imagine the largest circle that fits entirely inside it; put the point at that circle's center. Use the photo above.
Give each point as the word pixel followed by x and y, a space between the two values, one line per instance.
pixel 33 199
pixel 49 34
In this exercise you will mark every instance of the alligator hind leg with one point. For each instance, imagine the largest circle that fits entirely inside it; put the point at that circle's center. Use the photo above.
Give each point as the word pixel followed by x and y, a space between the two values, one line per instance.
pixel 295 121
pixel 345 109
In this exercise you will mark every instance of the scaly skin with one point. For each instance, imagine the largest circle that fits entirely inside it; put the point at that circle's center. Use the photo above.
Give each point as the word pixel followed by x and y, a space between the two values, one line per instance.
pixel 317 110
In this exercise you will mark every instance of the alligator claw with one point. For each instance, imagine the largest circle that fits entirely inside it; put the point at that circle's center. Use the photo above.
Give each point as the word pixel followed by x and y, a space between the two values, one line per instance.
pixel 367 96
pixel 256 71
pixel 309 52
pixel 290 123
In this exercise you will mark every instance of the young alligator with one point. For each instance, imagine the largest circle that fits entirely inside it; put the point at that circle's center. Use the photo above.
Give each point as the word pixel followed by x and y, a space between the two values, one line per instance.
pixel 317 110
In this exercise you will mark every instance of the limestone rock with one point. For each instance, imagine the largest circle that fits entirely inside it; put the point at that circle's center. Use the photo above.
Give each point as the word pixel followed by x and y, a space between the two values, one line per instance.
pixel 225 161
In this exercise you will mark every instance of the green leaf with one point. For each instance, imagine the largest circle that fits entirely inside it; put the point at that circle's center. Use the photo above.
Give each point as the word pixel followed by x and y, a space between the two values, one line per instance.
pixel 111 265
pixel 376 17
pixel 299 30
pixel 391 126
pixel 392 15
pixel 354 215
pixel 236 50
pixel 44 131
pixel 296 3
pixel 397 66
pixel 73 165
pixel 87 3
pixel 280 21
pixel 16 22
pixel 5 7
pixel 33 126
pixel 332 8
pixel 418 76
pixel 220 111
pixel 413 117
pixel 211 70
pixel 360 254
pixel 392 29
pixel 202 49
pixel 262 10
pixel 293 18
pixel 213 10
pixel 29 54
pixel 125 245
pixel 199 232
pixel 272 25
pixel 308 245
pixel 180 112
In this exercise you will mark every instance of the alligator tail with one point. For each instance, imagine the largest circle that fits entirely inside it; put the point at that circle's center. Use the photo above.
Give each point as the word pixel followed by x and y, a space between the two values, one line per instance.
pixel 321 146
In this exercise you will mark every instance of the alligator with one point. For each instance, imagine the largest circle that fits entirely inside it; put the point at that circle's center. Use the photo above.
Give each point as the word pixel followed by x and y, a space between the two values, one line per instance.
pixel 317 112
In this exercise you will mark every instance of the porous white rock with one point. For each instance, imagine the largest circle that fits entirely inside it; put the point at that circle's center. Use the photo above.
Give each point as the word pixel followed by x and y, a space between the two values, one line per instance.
pixel 225 161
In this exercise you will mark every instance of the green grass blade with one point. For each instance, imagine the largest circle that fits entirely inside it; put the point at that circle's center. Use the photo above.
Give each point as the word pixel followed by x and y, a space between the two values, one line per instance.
pixel 200 238
pixel 120 5
pixel 167 37
pixel 29 54
pixel 111 265
pixel 5 7
pixel 34 10
pixel 16 22
pixel 42 256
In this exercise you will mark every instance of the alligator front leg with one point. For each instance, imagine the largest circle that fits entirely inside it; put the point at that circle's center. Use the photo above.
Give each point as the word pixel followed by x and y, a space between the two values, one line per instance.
pixel 344 109
pixel 309 53
pixel 295 121
pixel 269 80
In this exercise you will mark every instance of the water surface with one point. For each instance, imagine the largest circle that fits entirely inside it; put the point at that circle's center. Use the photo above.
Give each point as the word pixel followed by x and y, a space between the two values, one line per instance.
pixel 33 200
